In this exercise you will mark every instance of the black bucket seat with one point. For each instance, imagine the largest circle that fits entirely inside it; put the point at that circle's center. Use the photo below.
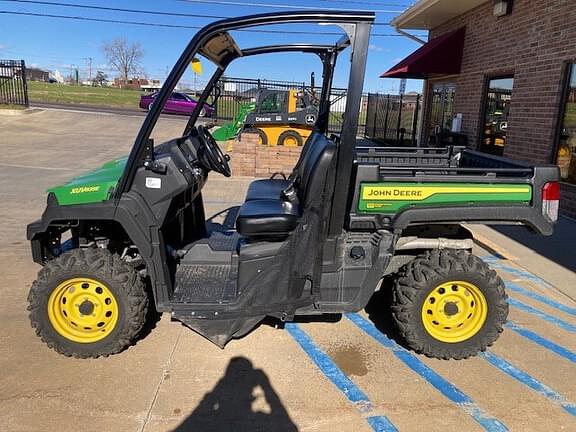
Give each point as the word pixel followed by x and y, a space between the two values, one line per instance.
pixel 276 217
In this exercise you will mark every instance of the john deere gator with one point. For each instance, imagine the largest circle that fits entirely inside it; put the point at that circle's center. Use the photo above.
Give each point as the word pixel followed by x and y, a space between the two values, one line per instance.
pixel 133 235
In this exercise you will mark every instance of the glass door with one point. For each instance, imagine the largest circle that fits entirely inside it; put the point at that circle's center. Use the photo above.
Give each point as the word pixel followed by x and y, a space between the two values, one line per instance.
pixel 442 112
pixel 498 98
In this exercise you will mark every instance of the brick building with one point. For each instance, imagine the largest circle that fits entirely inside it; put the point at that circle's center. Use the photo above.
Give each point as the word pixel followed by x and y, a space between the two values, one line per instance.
pixel 500 75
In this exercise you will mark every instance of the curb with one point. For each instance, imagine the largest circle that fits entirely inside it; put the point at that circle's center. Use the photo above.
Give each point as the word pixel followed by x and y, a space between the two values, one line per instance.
pixel 492 247
pixel 17 112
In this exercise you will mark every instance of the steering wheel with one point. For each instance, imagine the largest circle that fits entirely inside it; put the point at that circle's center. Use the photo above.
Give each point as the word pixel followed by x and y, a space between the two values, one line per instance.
pixel 212 155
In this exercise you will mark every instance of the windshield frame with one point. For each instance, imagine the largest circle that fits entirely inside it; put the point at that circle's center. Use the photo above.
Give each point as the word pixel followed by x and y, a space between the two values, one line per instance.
pixel 143 145
pixel 324 52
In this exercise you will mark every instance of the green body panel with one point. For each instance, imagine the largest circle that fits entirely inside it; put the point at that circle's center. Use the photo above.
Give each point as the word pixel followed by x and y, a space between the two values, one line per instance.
pixel 230 130
pixel 393 197
pixel 94 186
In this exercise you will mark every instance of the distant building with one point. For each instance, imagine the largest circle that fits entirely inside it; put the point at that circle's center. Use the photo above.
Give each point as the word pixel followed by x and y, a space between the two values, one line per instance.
pixel 150 85
pixel 144 84
pixel 35 74
pixel 410 99
pixel 57 76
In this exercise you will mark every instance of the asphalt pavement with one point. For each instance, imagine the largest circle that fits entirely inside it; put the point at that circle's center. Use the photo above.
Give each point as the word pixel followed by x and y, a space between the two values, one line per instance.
pixel 348 375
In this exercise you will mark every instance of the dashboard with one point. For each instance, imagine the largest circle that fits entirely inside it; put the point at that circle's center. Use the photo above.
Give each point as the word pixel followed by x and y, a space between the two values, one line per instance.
pixel 179 175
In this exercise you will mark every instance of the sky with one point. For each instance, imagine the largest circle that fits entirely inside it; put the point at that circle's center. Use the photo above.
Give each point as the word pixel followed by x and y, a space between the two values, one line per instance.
pixel 63 44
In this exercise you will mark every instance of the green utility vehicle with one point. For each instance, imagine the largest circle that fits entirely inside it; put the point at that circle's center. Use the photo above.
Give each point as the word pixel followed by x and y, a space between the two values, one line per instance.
pixel 132 235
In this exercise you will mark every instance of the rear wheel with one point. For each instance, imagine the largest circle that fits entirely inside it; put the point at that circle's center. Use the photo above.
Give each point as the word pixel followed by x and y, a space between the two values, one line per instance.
pixel 150 106
pixel 87 303
pixel 290 138
pixel 449 304
pixel 202 113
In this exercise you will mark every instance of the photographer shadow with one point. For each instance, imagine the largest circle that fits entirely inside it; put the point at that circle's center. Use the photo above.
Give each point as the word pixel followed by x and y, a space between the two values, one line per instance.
pixel 242 400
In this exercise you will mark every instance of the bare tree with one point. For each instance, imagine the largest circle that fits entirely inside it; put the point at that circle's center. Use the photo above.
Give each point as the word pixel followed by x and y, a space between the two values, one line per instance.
pixel 123 56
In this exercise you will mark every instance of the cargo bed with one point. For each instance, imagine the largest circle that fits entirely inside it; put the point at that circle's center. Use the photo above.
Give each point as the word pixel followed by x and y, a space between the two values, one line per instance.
pixel 397 187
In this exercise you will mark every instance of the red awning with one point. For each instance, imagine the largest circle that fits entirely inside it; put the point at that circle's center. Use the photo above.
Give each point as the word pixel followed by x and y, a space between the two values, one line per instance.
pixel 442 55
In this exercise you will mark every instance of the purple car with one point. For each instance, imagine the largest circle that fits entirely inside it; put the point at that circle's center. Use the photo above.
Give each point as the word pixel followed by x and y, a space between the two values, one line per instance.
pixel 179 103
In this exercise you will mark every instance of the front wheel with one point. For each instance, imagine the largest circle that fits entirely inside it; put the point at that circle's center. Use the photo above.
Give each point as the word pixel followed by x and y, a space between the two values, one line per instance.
pixel 290 138
pixel 449 304
pixel 88 303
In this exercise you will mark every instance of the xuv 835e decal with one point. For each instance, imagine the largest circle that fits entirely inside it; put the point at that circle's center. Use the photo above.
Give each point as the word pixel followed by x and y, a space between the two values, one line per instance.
pixel 392 197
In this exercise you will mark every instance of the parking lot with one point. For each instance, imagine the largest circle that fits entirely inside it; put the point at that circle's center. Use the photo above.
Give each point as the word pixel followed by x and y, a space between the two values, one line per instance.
pixel 345 376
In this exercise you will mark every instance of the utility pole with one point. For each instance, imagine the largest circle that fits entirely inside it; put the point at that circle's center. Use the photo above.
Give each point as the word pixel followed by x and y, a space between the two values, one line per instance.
pixel 402 86
pixel 89 60
pixel 72 67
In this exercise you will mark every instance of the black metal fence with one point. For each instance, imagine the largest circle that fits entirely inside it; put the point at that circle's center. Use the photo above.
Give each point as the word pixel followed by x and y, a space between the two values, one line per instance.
pixel 386 119
pixel 13 88
pixel 392 119
pixel 237 91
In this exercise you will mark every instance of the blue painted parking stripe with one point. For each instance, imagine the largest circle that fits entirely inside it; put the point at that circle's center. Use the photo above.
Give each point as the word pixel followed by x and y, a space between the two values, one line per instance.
pixel 448 389
pixel 529 381
pixel 381 424
pixel 498 263
pixel 543 315
pixel 548 344
pixel 339 379
pixel 328 367
pixel 561 307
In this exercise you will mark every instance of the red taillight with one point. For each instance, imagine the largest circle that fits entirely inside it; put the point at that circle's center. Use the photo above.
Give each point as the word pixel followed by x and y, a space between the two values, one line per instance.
pixel 551 200
pixel 551 191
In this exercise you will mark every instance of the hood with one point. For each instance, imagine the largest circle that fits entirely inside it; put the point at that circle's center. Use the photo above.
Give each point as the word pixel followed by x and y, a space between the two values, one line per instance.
pixel 94 186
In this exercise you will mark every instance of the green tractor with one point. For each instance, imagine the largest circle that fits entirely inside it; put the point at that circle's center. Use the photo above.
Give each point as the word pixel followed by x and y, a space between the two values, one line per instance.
pixel 133 236
pixel 283 117
pixel 278 117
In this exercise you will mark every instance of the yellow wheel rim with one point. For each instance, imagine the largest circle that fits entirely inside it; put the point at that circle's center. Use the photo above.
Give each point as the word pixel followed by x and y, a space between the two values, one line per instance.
pixel 454 311
pixel 290 141
pixel 83 310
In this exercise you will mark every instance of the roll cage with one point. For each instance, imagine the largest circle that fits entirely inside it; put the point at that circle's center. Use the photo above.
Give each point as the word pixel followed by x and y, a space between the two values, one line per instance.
pixel 214 42
pixel 327 54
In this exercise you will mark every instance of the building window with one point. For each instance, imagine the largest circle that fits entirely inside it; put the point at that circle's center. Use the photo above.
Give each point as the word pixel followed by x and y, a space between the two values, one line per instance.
pixel 498 98
pixel 441 112
pixel 566 158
